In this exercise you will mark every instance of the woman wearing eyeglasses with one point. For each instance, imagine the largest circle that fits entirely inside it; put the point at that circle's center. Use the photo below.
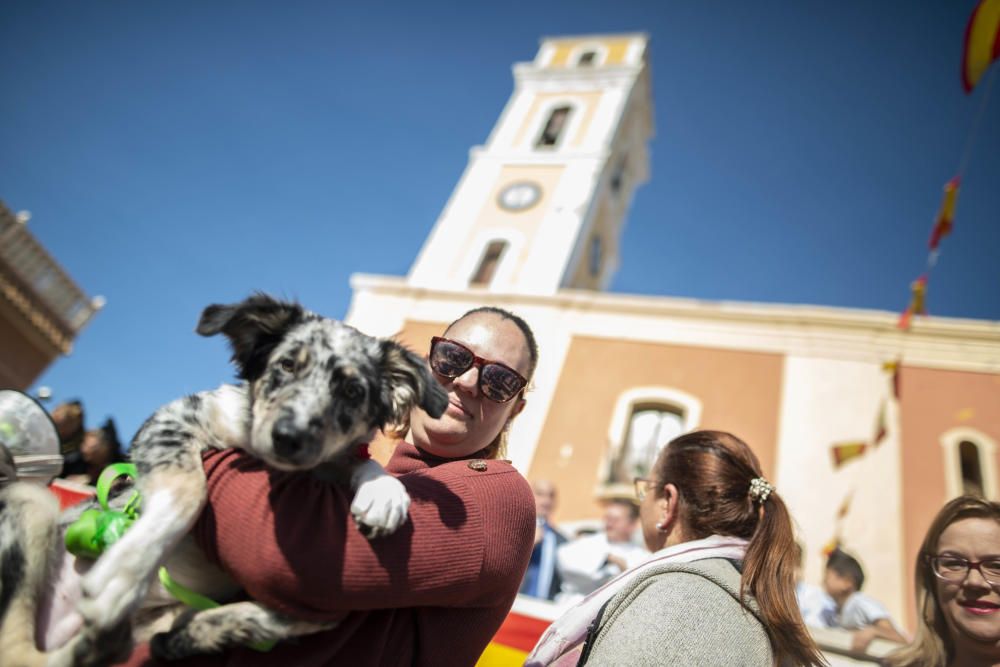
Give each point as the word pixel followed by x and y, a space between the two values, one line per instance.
pixel 434 592
pixel 719 588
pixel 957 583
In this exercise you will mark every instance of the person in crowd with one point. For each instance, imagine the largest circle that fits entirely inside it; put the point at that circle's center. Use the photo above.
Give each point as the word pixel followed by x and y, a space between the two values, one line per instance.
pixel 586 563
pixel 719 588
pixel 542 579
pixel 100 447
pixel 957 584
pixel 853 610
pixel 814 604
pixel 69 420
pixel 434 592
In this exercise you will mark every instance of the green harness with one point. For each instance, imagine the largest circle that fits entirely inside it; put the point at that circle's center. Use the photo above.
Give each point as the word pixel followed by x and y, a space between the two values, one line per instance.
pixel 97 529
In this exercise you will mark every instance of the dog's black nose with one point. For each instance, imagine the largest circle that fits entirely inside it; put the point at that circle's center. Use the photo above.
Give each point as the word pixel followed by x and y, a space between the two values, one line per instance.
pixel 286 438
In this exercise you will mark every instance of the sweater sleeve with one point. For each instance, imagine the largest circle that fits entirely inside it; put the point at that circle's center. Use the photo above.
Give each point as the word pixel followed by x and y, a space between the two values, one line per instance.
pixel 289 540
pixel 680 619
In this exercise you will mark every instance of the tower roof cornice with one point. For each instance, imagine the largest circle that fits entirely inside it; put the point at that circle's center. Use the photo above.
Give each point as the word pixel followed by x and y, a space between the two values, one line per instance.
pixel 594 37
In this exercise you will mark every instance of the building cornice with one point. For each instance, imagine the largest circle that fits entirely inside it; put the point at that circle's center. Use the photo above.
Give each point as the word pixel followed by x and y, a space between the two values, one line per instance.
pixel 806 330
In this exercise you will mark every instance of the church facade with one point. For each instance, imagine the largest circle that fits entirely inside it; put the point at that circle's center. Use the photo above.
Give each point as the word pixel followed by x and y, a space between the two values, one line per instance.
pixel 534 226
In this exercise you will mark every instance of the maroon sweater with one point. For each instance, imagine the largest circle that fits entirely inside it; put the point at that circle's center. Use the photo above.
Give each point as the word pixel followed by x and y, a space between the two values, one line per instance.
pixel 433 593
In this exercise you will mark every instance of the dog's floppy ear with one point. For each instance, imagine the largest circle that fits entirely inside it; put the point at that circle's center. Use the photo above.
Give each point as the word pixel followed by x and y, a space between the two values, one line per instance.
pixel 407 382
pixel 253 326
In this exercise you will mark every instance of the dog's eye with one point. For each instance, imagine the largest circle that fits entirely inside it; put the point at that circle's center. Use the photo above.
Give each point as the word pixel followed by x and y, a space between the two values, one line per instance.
pixel 287 364
pixel 353 391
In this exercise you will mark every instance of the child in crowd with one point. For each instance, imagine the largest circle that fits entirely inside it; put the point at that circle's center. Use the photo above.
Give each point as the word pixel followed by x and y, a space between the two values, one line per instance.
pixel 816 606
pixel 854 610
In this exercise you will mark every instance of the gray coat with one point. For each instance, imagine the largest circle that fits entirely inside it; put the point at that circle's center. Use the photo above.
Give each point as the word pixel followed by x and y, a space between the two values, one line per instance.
pixel 682 614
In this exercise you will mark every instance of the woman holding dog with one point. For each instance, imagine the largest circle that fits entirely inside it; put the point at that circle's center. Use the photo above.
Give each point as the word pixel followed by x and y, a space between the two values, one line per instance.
pixel 958 589
pixel 719 589
pixel 434 592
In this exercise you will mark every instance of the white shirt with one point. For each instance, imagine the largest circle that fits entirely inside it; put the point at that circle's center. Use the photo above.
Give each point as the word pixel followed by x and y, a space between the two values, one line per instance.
pixel 816 606
pixel 583 564
pixel 859 611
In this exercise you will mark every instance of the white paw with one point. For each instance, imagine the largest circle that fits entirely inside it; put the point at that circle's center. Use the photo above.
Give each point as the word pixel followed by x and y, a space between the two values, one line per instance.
pixel 380 506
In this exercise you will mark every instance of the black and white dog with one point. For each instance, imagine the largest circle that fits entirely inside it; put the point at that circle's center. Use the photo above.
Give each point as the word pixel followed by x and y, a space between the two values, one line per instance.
pixel 313 390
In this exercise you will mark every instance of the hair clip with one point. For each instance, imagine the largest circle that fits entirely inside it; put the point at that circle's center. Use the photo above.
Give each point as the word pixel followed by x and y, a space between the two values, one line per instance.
pixel 760 489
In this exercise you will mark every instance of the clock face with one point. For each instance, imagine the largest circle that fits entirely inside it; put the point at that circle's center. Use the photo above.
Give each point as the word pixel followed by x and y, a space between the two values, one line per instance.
pixel 519 196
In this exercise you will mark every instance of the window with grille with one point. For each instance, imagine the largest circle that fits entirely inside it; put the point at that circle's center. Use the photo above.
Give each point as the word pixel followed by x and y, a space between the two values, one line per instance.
pixel 650 427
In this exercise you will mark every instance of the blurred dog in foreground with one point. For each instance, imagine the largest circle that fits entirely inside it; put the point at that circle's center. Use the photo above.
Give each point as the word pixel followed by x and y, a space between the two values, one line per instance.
pixel 313 391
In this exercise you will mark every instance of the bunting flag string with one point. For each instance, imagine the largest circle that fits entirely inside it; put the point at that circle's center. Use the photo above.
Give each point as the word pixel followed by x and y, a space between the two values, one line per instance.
pixel 980 49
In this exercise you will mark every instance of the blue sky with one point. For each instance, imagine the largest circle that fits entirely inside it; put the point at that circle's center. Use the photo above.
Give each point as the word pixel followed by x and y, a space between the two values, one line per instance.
pixel 183 153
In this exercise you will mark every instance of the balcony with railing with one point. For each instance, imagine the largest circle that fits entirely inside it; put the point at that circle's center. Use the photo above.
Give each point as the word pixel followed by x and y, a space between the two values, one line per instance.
pixel 34 283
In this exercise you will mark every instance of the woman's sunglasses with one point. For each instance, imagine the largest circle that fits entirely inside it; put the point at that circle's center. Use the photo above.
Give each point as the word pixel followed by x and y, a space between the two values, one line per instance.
pixel 497 382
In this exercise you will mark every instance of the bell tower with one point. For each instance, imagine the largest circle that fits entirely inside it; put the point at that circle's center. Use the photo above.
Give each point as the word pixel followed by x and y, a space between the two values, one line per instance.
pixel 542 204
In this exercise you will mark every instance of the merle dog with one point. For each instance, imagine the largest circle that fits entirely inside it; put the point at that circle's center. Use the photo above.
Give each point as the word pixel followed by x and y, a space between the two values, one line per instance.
pixel 313 390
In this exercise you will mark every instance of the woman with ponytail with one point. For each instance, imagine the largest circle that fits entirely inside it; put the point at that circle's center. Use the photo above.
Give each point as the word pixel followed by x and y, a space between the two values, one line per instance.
pixel 719 589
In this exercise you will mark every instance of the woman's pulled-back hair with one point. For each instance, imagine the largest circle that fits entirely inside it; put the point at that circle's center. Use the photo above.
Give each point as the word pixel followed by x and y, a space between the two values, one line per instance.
pixel 932 645
pixel 498 447
pixel 712 471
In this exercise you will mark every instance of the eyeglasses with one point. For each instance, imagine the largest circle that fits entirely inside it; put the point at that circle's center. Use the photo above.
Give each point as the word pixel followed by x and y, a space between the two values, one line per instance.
pixel 956 569
pixel 497 382
pixel 642 486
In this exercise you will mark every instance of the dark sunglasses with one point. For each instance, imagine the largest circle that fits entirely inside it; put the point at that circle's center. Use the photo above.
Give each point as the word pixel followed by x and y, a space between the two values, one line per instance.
pixel 497 382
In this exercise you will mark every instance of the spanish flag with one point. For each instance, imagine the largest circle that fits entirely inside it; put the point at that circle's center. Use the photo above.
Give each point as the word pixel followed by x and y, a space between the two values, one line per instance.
pixel 845 451
pixel 982 42
pixel 892 366
pixel 918 298
pixel 831 546
pixel 946 216
pixel 881 427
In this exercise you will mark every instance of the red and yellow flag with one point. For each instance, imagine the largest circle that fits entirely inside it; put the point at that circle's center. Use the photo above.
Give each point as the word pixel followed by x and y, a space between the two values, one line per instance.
pixel 881 428
pixel 892 366
pixel 918 295
pixel 512 643
pixel 843 452
pixel 946 216
pixel 831 546
pixel 982 42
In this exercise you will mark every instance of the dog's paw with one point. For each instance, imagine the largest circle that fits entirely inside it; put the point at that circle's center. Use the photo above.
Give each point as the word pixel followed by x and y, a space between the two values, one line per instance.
pixel 112 590
pixel 93 647
pixel 380 506
pixel 173 645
